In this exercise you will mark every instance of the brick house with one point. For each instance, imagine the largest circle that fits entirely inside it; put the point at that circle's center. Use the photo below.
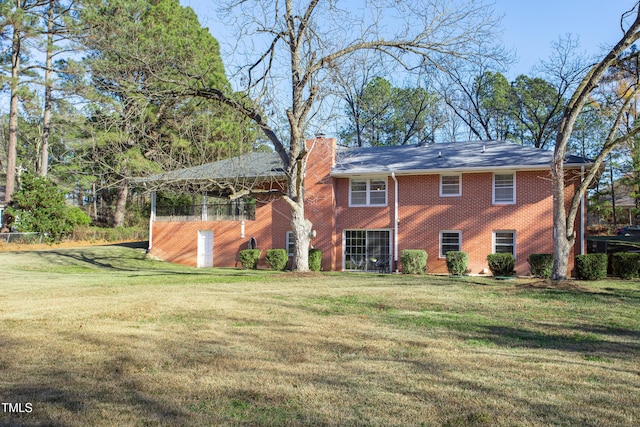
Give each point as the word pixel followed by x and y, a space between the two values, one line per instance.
pixel 368 204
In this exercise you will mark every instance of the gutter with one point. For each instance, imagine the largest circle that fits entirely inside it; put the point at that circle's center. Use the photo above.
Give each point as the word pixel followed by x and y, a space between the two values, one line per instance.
pixel 152 218
pixel 582 252
pixel 396 222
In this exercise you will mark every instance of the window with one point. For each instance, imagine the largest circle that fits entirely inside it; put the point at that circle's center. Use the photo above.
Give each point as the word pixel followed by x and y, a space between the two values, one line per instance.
pixel 368 192
pixel 290 243
pixel 504 188
pixel 367 250
pixel 504 242
pixel 449 241
pixel 450 185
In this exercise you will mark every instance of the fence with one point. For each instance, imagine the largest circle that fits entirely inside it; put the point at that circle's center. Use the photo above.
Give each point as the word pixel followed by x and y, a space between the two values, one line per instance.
pixel 81 234
pixel 207 212
pixel 22 238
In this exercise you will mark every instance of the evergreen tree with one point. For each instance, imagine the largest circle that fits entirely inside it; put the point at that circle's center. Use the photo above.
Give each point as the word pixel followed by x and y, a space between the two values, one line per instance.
pixel 138 52
pixel 39 206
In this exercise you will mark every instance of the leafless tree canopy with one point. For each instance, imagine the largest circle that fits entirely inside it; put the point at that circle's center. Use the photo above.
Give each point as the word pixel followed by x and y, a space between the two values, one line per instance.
pixel 617 110
pixel 292 50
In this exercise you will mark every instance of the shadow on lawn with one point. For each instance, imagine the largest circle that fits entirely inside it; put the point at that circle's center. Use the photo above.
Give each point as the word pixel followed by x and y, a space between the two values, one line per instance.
pixel 91 257
pixel 69 402
pixel 585 340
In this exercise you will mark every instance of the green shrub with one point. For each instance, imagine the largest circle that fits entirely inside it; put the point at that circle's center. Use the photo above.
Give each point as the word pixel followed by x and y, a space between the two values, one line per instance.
pixel 501 264
pixel 457 262
pixel 591 266
pixel 40 207
pixel 626 264
pixel 315 259
pixel 541 265
pixel 414 261
pixel 249 258
pixel 277 259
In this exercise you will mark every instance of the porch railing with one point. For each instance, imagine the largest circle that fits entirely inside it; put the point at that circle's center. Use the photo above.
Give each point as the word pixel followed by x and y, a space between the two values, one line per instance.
pixel 207 212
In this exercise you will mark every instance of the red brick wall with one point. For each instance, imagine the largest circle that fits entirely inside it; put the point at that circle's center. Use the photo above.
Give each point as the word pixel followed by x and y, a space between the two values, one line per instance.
pixel 320 200
pixel 178 241
pixel 423 214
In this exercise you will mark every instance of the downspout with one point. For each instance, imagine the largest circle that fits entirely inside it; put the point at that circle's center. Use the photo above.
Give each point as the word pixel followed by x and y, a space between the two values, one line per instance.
pixel 152 218
pixel 582 215
pixel 396 221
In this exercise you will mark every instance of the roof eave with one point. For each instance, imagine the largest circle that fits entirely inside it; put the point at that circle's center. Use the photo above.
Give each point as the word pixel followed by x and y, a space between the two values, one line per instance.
pixel 436 171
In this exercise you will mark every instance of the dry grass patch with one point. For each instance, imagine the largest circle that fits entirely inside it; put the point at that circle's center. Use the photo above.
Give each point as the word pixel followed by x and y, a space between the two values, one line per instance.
pixel 102 336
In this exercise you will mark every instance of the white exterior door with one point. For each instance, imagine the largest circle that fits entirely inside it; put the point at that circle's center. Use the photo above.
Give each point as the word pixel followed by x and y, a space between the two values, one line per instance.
pixel 205 248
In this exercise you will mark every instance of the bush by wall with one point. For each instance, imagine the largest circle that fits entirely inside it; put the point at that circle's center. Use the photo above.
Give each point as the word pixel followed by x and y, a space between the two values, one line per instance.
pixel 591 266
pixel 626 265
pixel 315 259
pixel 249 258
pixel 277 259
pixel 502 264
pixel 414 261
pixel 541 265
pixel 110 234
pixel 457 262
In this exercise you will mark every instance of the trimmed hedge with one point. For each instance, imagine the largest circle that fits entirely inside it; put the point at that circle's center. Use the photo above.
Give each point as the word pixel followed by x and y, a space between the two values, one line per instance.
pixel 277 259
pixel 501 264
pixel 315 259
pixel 249 258
pixel 457 262
pixel 626 265
pixel 414 261
pixel 591 266
pixel 541 265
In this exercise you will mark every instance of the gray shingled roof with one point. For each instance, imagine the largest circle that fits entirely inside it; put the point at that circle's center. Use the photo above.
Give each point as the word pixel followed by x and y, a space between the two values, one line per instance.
pixel 453 156
pixel 401 159
pixel 248 166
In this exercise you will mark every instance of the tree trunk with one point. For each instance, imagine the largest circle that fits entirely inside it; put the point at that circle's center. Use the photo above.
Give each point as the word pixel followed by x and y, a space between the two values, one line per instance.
pixel 13 116
pixel 121 204
pixel 564 236
pixel 46 120
pixel 301 234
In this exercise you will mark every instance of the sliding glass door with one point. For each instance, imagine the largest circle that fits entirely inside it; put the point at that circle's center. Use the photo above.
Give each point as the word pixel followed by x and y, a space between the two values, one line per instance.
pixel 367 250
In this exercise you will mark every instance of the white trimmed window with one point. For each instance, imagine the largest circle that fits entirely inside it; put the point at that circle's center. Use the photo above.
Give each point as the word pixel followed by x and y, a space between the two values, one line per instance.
pixel 504 188
pixel 450 240
pixel 368 192
pixel 450 185
pixel 290 243
pixel 504 241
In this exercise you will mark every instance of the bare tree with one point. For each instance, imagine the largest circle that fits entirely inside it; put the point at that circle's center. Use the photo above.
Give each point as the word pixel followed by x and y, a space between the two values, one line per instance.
pixel 564 216
pixel 296 47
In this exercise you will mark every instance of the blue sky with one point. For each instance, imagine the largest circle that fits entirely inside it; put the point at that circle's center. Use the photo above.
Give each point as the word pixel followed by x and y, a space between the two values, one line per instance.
pixel 530 26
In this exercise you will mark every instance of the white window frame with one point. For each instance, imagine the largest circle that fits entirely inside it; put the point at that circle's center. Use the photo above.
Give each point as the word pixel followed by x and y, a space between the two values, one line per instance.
pixel 290 245
pixel 368 190
pixel 442 232
pixel 495 241
pixel 493 188
pixel 459 192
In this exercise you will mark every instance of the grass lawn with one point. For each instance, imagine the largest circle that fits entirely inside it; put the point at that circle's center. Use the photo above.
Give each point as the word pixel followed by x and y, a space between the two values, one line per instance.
pixel 101 336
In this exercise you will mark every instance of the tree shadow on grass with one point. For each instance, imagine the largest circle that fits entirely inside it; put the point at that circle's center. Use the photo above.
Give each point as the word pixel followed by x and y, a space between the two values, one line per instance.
pixel 580 340
pixel 92 258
